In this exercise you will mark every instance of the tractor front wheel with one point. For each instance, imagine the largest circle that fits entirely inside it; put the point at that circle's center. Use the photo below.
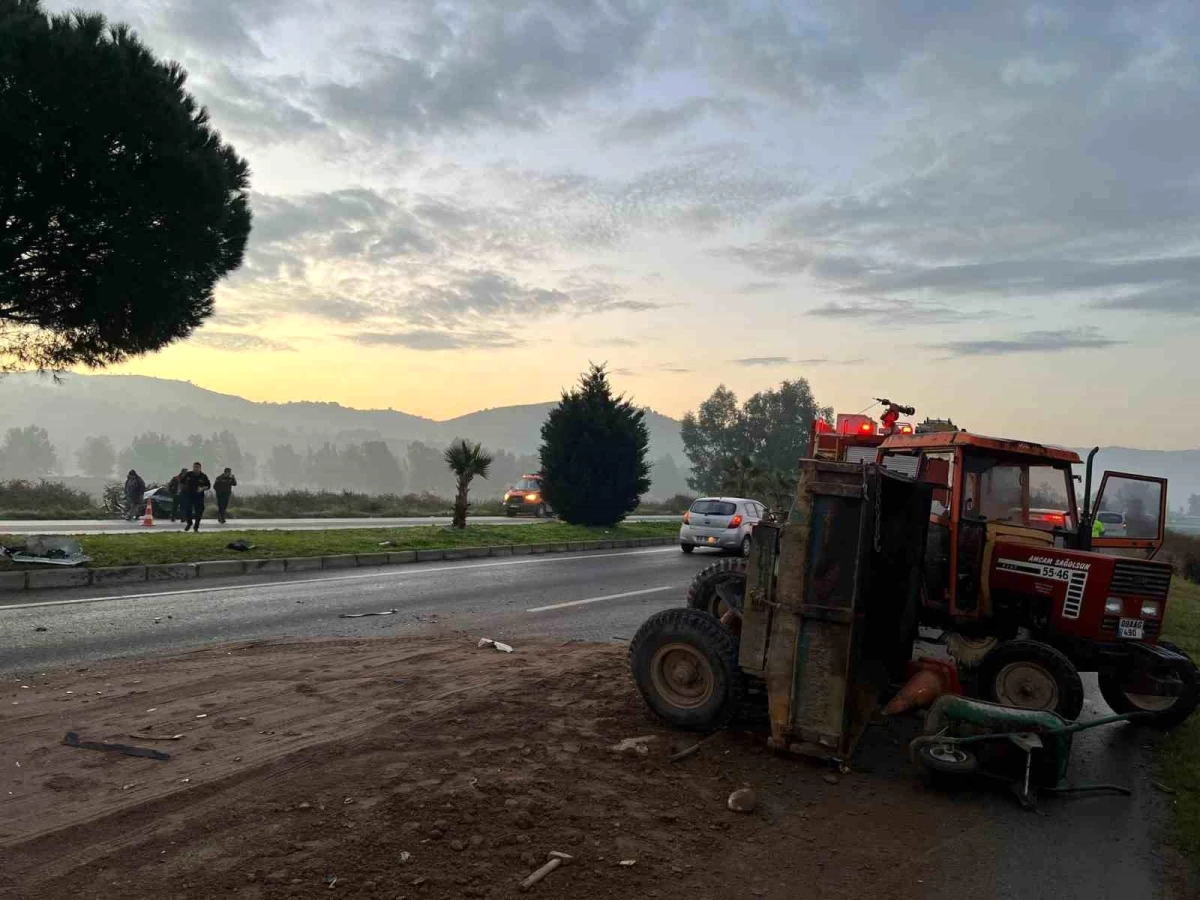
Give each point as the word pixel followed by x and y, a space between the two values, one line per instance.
pixel 1167 711
pixel 685 664
pixel 1032 675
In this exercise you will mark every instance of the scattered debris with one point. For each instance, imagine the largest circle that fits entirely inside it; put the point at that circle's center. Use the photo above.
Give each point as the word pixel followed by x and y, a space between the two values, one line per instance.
pixel 635 746
pixel 156 737
pixel 389 612
pixel 688 751
pixel 743 800
pixel 240 545
pixel 488 642
pixel 829 778
pixel 49 550
pixel 627 862
pixel 405 857
pixel 1159 786
pixel 556 859
pixel 387 543
pixel 331 880
pixel 72 740
pixel 202 716
pixel 41 628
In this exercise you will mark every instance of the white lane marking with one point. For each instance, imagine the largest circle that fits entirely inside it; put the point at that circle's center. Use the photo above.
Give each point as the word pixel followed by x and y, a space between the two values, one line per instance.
pixel 409 569
pixel 653 590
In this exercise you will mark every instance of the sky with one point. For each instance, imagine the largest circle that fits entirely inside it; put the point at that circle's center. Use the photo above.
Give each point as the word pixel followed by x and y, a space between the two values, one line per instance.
pixel 986 210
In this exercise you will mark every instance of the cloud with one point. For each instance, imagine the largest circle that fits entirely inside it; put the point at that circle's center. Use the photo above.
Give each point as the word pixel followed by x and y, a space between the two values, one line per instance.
pixel 614 342
pixel 482 64
pixel 1177 298
pixel 434 339
pixel 237 342
pixel 899 312
pixel 673 369
pixel 1029 342
pixel 758 287
pixel 771 258
pixel 766 361
pixel 655 122
pixel 762 361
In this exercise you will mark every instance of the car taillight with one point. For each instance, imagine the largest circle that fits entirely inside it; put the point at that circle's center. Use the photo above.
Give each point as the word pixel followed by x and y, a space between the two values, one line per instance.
pixel 735 521
pixel 687 517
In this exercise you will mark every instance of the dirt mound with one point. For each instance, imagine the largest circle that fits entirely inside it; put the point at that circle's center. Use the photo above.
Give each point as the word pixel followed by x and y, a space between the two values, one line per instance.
pixel 429 768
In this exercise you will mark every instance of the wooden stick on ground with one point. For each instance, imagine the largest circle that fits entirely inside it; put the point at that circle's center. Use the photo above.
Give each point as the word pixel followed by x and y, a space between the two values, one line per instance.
pixel 688 751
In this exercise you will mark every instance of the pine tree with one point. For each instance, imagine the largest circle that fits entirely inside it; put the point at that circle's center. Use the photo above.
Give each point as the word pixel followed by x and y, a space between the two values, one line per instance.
pixel 120 206
pixel 593 452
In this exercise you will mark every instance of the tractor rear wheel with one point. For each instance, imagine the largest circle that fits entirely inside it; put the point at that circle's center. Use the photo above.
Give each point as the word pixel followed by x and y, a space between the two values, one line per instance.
pixel 1168 711
pixel 719 586
pixel 1032 675
pixel 685 664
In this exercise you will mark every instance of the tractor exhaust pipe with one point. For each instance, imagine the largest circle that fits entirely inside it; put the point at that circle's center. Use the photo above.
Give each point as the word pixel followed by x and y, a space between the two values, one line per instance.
pixel 1085 521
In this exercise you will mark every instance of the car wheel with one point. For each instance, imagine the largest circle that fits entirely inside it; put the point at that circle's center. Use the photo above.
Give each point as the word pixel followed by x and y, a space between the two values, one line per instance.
pixel 746 545
pixel 687 548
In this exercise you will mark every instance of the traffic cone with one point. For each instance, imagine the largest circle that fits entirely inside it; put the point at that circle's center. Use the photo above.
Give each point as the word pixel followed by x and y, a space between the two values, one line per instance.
pixel 148 517
pixel 930 679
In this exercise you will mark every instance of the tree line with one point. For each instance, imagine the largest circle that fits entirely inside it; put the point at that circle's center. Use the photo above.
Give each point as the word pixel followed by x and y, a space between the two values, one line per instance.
pixel 751 449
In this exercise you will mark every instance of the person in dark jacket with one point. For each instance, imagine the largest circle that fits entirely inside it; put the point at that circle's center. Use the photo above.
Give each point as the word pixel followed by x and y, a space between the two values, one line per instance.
pixel 193 485
pixel 224 490
pixel 175 488
pixel 135 493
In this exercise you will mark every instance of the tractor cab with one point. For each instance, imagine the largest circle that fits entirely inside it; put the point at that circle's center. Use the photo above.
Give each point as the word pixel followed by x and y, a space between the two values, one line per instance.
pixel 993 494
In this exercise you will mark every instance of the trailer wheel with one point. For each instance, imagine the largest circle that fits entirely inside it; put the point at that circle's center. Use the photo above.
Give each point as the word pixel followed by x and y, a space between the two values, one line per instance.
pixel 1168 711
pixel 1032 675
pixel 946 759
pixel 685 666
pixel 719 586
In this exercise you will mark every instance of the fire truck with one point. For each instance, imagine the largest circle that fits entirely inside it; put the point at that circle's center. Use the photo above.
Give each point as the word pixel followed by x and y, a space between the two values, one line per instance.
pixel 1026 594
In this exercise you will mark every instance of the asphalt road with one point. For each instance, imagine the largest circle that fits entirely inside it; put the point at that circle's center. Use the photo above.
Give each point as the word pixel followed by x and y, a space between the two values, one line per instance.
pixel 1093 848
pixel 120 526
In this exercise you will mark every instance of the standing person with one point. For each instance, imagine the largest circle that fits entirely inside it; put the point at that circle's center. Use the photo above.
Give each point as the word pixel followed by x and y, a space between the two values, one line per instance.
pixel 194 484
pixel 135 493
pixel 175 488
pixel 224 488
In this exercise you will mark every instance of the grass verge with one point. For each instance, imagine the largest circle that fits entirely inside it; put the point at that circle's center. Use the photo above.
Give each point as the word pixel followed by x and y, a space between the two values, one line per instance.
pixel 177 547
pixel 1180 757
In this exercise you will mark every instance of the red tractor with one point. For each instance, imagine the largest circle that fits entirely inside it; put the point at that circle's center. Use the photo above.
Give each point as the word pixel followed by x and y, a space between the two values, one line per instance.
pixel 1026 589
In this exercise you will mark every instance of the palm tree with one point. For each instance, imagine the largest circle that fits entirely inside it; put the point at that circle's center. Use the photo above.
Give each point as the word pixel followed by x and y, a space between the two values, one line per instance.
pixel 465 460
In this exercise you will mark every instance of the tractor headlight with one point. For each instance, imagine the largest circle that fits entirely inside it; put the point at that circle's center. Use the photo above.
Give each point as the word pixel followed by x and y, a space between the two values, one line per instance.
pixel 506 496
pixel 1150 609
pixel 1113 606
pixel 531 498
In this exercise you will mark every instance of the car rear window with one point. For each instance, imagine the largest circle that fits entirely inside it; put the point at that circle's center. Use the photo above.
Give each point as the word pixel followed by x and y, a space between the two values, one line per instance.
pixel 1110 518
pixel 714 508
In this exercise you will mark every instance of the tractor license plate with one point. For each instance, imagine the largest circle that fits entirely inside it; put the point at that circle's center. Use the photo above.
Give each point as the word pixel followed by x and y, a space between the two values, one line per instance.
pixel 1131 628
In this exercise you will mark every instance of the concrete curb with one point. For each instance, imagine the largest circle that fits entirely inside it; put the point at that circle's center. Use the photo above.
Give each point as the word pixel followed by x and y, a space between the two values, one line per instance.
pixel 37 579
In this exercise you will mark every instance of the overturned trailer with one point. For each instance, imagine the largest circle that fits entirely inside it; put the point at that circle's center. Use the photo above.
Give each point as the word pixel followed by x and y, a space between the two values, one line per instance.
pixel 830 615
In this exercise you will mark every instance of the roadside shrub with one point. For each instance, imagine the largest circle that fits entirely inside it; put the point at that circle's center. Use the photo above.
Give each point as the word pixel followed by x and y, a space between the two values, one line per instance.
pixel 1183 552
pixel 20 499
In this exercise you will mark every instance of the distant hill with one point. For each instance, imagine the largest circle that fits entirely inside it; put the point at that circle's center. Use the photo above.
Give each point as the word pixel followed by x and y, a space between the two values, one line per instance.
pixel 122 406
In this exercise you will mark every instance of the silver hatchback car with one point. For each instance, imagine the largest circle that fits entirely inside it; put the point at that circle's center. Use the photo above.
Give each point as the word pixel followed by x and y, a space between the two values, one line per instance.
pixel 722 523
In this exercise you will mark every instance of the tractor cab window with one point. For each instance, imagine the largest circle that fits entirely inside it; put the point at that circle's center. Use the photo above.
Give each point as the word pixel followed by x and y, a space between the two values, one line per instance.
pixel 937 469
pixel 527 484
pixel 999 490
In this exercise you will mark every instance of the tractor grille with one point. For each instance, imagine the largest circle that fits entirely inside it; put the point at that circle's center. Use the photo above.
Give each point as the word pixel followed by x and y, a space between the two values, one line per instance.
pixel 1140 579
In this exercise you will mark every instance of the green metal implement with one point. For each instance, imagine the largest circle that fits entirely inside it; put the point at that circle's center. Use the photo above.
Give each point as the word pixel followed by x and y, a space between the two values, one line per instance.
pixel 1027 748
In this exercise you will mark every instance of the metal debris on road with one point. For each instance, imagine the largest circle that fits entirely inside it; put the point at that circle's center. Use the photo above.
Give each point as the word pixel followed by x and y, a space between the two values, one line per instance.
pixel 240 545
pixel 1159 786
pixel 488 642
pixel 388 612
pixel 156 737
pixel 72 740
pixel 627 862
pixel 49 550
